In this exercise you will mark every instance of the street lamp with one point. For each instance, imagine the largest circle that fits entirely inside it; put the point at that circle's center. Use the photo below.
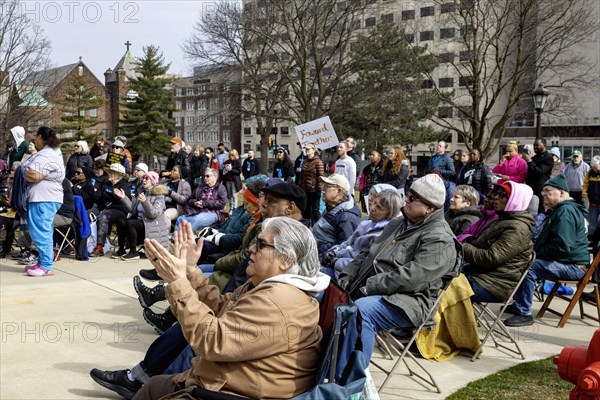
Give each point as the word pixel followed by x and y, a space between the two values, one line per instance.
pixel 432 148
pixel 555 140
pixel 408 150
pixel 540 95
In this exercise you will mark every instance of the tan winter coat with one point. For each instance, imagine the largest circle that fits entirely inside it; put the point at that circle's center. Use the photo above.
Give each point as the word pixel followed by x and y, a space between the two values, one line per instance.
pixel 261 342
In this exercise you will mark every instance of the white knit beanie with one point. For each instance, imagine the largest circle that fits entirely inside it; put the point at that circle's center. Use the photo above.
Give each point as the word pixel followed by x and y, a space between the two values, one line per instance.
pixel 431 189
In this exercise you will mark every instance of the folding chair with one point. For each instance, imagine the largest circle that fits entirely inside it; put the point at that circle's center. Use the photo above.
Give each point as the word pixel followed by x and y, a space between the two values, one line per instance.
pixel 492 324
pixel 564 316
pixel 391 343
pixel 65 240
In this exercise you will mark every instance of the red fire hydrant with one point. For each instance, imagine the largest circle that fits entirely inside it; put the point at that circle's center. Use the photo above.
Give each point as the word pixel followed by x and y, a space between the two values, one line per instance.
pixel 581 365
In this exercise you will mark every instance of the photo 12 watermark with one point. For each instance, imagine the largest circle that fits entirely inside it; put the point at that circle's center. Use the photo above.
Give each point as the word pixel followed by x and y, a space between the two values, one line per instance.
pixel 71 332
pixel 118 12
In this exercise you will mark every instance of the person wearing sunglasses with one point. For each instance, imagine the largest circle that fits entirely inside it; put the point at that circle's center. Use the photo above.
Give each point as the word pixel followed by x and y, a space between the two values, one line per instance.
pixel 284 279
pixel 83 186
pixel 119 148
pixel 397 280
pixel 146 215
pixel 284 167
pixel 79 158
pixel 495 258
pixel 206 204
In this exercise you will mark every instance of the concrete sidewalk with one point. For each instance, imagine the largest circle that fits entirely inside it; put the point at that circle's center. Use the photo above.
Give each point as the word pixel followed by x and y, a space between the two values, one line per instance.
pixel 55 329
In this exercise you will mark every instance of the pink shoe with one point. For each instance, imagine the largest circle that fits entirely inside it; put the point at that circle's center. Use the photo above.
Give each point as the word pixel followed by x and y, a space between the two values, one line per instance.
pixel 38 270
pixel 28 267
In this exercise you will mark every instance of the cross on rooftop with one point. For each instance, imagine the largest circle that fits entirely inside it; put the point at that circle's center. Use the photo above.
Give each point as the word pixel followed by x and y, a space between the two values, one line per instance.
pixel 127 43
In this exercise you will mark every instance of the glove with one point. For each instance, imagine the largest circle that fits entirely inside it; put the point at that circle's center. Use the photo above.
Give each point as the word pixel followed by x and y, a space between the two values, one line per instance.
pixel 205 232
pixel 327 259
pixel 343 282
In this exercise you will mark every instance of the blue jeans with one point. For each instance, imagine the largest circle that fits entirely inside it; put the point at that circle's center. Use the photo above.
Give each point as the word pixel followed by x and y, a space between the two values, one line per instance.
pixel 481 294
pixel 543 270
pixel 198 221
pixel 593 216
pixel 377 315
pixel 40 222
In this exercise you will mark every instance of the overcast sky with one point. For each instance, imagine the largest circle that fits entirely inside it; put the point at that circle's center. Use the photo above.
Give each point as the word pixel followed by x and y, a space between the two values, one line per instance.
pixel 97 30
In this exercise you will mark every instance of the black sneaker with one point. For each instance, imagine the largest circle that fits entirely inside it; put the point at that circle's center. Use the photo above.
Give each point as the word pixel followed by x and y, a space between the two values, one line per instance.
pixel 131 256
pixel 160 322
pixel 148 296
pixel 150 275
pixel 117 381
pixel 118 254
pixel 20 254
pixel 519 320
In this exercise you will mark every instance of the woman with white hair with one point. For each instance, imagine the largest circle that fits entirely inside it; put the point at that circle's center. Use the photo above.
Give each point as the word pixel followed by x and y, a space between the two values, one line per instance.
pixel 384 205
pixel 79 158
pixel 277 303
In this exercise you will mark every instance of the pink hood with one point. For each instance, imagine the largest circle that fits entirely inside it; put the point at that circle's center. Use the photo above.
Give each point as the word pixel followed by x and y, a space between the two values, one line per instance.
pixel 520 197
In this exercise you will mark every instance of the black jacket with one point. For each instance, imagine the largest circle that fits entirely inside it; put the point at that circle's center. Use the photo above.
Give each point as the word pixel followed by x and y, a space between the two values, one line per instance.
pixel 109 200
pixel 250 168
pixel 198 165
pixel 77 160
pixel 88 193
pixel 180 159
pixel 479 176
pixel 538 171
pixel 354 155
pixel 284 169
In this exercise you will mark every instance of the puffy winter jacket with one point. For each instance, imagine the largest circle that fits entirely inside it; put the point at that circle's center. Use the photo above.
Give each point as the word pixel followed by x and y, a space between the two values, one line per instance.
pixel 336 225
pixel 312 169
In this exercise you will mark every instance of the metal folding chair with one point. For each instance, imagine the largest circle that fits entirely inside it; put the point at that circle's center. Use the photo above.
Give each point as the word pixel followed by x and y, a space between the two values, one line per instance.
pixel 392 344
pixel 492 324
pixel 573 300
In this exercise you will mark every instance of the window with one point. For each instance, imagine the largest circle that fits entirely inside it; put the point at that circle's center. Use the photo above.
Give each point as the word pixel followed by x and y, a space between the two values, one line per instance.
pixel 447 8
pixel 189 136
pixel 285 130
pixel 226 119
pixel 178 91
pixel 247 131
pixel 465 81
pixel 446 57
pixel 427 11
pixel 201 120
pixel 407 14
pixel 214 136
pixel 426 35
pixel 356 25
pixel 189 91
pixel 446 82
pixel 465 55
pixel 446 33
pixel 177 121
pixel 214 120
pixel 409 38
pixel 201 136
pixel 93 113
pixel 272 58
pixel 202 89
pixel 467 30
pixel 202 104
pixel 80 70
pixel 214 103
pixel 81 112
pixel 189 121
pixel 427 84
pixel 178 105
pixel 189 105
pixel 444 112
pixel 226 137
pixel 387 18
pixel 370 22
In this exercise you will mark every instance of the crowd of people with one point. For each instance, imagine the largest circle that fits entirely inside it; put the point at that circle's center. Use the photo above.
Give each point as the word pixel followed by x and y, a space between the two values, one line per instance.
pixel 231 246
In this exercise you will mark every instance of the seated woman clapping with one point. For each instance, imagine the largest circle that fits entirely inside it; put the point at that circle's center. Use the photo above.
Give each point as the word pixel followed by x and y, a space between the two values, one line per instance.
pixel 496 258
pixel 383 206
pixel 146 218
pixel 248 349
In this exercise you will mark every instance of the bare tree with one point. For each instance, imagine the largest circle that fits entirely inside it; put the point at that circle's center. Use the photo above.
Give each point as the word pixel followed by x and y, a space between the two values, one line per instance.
pixel 505 46
pixel 227 38
pixel 24 49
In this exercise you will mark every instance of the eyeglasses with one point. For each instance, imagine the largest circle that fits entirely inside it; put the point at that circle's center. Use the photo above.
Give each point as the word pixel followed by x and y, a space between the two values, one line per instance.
pixel 115 147
pixel 208 176
pixel 261 244
pixel 412 198
pixel 78 172
pixel 76 146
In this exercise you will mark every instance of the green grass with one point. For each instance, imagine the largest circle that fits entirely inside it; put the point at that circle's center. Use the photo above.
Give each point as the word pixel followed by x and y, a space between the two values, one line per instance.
pixel 532 380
